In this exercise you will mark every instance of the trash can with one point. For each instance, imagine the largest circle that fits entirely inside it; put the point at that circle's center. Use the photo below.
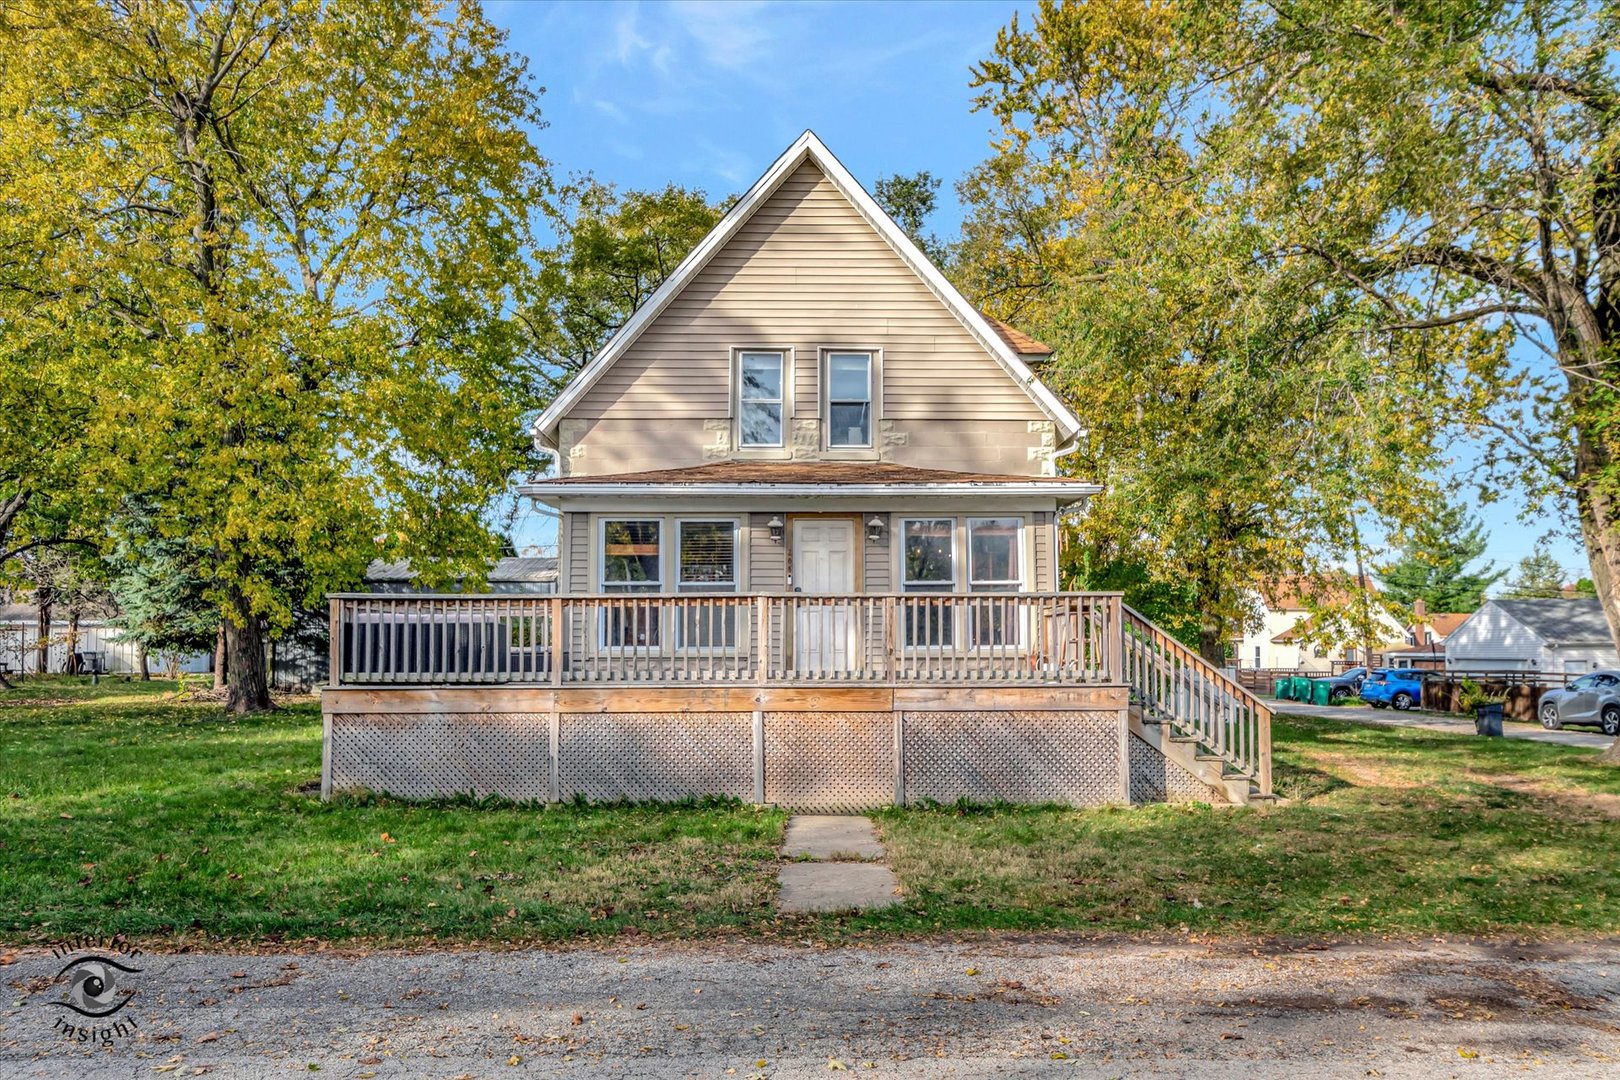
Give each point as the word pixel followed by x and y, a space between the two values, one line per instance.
pixel 1302 688
pixel 1488 719
pixel 1320 691
pixel 1282 691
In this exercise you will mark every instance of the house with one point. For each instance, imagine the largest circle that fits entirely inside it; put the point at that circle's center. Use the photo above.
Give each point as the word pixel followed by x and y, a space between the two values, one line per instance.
pixel 1556 637
pixel 807 499
pixel 513 574
pixel 1297 628
pixel 1426 635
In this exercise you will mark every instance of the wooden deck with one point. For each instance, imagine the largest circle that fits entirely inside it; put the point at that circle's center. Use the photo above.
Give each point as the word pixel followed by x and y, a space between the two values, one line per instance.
pixel 800 700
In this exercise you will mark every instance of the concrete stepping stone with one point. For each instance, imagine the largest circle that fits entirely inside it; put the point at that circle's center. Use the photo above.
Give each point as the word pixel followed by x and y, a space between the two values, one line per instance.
pixel 831 838
pixel 835 886
pixel 844 872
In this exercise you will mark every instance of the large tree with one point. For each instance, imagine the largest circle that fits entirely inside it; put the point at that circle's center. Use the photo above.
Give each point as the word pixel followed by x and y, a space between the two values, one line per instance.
pixel 1537 577
pixel 1235 411
pixel 287 233
pixel 613 250
pixel 1434 563
pixel 1457 164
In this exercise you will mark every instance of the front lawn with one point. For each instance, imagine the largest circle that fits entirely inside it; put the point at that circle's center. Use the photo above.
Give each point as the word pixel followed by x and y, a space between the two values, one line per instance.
pixel 1390 830
pixel 125 812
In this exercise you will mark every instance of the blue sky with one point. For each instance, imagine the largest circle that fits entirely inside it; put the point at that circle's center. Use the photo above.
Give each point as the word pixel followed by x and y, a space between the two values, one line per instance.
pixel 708 94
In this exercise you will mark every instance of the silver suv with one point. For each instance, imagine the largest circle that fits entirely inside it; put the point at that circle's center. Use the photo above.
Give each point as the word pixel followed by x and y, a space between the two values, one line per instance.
pixel 1590 699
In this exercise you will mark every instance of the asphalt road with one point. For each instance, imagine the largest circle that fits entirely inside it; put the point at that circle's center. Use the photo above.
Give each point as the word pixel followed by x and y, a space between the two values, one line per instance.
pixel 989 1008
pixel 1433 721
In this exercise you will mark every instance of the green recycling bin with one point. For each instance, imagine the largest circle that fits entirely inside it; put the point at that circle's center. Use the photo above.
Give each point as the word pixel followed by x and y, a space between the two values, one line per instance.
pixel 1301 690
pixel 1280 691
pixel 1319 691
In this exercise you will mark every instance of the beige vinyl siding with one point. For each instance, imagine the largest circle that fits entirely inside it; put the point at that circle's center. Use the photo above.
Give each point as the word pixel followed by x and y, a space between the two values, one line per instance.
pixel 879 561
pixel 767 560
pixel 578 575
pixel 806 272
pixel 1045 577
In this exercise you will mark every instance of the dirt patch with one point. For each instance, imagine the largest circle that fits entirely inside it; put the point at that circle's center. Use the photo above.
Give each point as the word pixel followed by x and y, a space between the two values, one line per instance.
pixel 36 703
pixel 1596 804
pixel 1357 771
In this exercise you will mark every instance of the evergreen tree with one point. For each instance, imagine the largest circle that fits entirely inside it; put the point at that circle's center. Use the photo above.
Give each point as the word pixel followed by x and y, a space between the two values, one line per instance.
pixel 1434 564
pixel 162 598
pixel 1539 577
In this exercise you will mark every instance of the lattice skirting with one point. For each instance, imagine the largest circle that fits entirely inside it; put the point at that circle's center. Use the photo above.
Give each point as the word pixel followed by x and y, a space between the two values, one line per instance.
pixel 423 756
pixel 804 760
pixel 1155 778
pixel 656 756
pixel 1022 757
pixel 829 761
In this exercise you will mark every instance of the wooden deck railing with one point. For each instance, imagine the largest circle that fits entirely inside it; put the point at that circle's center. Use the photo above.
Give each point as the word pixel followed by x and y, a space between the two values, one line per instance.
pixel 995 638
pixel 1177 686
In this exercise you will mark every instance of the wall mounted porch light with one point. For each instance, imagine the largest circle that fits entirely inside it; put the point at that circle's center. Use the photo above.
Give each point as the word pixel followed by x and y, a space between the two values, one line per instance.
pixel 875 529
pixel 776 527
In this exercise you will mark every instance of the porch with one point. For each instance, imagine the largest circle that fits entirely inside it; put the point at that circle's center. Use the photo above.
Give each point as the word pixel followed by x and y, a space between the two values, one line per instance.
pixel 810 701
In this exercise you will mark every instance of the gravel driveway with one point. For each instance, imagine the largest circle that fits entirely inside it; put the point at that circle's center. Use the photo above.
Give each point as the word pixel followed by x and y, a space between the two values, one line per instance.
pixel 988 1008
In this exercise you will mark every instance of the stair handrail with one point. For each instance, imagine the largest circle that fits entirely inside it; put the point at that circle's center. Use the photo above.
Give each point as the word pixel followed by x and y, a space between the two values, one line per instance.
pixel 1197 699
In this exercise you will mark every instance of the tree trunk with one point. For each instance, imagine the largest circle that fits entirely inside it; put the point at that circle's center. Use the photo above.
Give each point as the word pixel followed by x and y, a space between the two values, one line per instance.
pixel 1212 646
pixel 43 643
pixel 219 656
pixel 71 665
pixel 140 660
pixel 246 681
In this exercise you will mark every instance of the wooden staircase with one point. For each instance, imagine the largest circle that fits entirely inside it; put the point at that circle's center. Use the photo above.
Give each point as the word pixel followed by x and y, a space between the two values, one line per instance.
pixel 1197 718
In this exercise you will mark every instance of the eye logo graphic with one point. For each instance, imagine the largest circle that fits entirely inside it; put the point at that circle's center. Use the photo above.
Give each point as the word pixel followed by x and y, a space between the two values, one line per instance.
pixel 99 983
pixel 93 986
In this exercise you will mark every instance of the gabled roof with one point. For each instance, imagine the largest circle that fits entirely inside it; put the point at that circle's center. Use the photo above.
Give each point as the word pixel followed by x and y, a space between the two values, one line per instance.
pixel 1561 622
pixel 809 147
pixel 1020 342
pixel 1445 623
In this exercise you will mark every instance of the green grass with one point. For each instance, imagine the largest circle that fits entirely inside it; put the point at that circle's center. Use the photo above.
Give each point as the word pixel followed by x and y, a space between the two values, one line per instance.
pixel 1391 831
pixel 122 811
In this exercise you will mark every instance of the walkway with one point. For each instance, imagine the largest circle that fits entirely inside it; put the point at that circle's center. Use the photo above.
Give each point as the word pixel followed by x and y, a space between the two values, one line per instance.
pixel 837 866
pixel 1433 721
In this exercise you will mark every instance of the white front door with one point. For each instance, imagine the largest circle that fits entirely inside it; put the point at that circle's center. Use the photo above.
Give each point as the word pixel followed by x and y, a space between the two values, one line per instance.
pixel 824 564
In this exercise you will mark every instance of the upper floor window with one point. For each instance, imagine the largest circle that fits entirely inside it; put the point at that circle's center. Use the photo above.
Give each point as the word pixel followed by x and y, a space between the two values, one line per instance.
pixel 849 399
pixel 759 398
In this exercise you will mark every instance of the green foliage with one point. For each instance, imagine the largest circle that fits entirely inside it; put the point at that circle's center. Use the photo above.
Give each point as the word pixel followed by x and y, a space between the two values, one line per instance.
pixel 1538 577
pixel 1171 604
pixel 614 251
pixel 1434 560
pixel 1238 414
pixel 911 201
pixel 1470 696
pixel 282 243
pixel 161 597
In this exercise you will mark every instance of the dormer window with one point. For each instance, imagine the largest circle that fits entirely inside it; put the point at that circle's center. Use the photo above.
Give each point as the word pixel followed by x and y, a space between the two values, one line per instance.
pixel 759 398
pixel 849 399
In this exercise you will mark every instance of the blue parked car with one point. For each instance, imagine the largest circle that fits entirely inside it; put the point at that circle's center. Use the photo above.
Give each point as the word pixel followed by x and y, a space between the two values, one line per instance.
pixel 1397 688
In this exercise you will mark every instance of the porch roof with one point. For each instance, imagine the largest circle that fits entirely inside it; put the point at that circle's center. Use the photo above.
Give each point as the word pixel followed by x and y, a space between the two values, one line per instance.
pixel 812 477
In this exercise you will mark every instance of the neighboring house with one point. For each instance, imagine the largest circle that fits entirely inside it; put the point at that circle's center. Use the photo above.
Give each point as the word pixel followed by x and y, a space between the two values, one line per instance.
pixel 101 648
pixel 1557 637
pixel 525 574
pixel 1282 640
pixel 1426 638
pixel 807 499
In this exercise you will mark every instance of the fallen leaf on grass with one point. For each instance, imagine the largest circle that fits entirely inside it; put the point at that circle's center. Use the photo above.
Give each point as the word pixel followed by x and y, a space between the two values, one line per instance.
pixel 1464 1052
pixel 514 1060
pixel 212 1036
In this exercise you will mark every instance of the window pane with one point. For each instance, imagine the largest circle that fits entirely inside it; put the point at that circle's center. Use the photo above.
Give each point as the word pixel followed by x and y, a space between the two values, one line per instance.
pixel 761 377
pixel 929 552
pixel 707 626
pixel 993 551
pixel 847 378
pixel 708 553
pixel 995 622
pixel 630 556
pixel 632 626
pixel 761 424
pixel 849 425
pixel 929 626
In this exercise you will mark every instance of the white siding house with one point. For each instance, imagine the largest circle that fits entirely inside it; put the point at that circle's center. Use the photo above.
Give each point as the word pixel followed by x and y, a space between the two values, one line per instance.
pixel 1552 636
pixel 1282 641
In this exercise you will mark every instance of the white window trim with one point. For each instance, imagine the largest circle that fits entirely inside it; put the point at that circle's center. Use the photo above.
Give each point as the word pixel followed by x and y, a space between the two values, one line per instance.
pixel 676 645
pixel 874 390
pixel 603 589
pixel 761 449
pixel 1018 586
